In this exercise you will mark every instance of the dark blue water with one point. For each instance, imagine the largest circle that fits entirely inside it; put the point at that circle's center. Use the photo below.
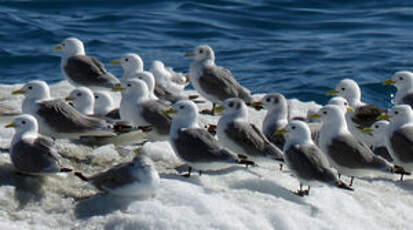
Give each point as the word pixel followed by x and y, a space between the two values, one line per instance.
pixel 299 48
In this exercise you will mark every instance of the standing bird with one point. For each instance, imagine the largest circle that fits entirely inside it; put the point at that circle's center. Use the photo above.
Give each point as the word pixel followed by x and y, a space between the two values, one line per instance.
pixel 379 131
pixel 140 110
pixel 195 146
pixel 56 118
pixel 399 136
pixel 137 178
pixel 132 65
pixel 345 152
pixel 403 81
pixel 104 105
pixel 238 135
pixel 364 115
pixel 30 152
pixel 82 70
pixel 307 162
pixel 276 117
pixel 213 82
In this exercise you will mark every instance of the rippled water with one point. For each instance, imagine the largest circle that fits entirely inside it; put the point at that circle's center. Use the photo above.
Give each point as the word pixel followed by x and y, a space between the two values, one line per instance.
pixel 299 48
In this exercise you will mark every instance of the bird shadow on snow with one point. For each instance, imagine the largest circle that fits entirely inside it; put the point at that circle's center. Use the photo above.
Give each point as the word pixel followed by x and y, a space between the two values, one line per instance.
pixel 102 204
pixel 27 188
pixel 270 188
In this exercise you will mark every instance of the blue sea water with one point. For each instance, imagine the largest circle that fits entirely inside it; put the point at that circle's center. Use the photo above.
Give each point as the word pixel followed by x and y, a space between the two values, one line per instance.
pixel 299 48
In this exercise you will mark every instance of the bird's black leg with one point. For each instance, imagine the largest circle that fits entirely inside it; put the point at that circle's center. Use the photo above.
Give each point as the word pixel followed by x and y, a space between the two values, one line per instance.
pixel 281 167
pixel 189 172
pixel 210 112
pixel 200 172
pixel 307 192
pixel 300 191
pixel 351 181
pixel 339 175
pixel 401 177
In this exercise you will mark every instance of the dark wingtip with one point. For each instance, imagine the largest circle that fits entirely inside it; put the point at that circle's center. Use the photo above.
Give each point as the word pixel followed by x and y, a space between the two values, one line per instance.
pixel 343 185
pixel 81 176
pixel 145 128
pixel 246 162
pixel 66 170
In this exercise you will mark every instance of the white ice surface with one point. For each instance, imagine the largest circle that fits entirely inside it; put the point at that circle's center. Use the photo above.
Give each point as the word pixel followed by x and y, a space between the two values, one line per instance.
pixel 235 198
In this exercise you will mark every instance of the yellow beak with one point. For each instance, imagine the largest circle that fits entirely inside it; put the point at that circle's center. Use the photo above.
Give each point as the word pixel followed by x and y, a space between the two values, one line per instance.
pixel 257 105
pixel 280 132
pixel 367 130
pixel 383 117
pixel 169 111
pixel 115 62
pixel 118 88
pixel 190 54
pixel 69 98
pixel 19 91
pixel 314 116
pixel 11 125
pixel 58 47
pixel 219 109
pixel 389 82
pixel 332 92
pixel 350 109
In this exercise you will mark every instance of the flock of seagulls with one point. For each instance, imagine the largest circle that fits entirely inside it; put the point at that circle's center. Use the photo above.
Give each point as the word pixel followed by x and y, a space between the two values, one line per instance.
pixel 346 137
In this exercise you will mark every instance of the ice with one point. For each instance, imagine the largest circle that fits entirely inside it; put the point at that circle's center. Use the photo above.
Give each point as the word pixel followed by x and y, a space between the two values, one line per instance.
pixel 234 198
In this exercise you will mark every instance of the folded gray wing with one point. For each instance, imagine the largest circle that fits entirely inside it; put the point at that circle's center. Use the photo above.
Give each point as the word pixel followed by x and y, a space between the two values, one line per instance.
pixel 153 112
pixel 117 176
pixel 38 156
pixel 64 118
pixel 309 163
pixel 251 139
pixel 402 144
pixel 366 115
pixel 349 152
pixel 89 71
pixel 165 94
pixel 220 82
pixel 197 145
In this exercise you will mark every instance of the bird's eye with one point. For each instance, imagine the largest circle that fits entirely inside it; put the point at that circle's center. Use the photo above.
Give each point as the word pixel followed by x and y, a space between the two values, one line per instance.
pixel 343 88
pixel 139 77
pixel 30 87
pixel 396 112
pixel 96 97
pixel 63 44
pixel 268 100
pixel 401 78
pixel 293 127
pixel 129 85
pixel 182 107
pixel 201 51
pixel 345 103
pixel 231 104
pixel 126 59
pixel 79 94
pixel 23 122
pixel 376 126
pixel 325 112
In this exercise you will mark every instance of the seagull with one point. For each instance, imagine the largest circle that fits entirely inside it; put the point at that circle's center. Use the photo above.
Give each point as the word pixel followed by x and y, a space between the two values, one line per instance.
pixel 213 82
pixel 132 65
pixel 56 118
pixel 399 135
pixel 345 152
pixel 276 117
pixel 137 108
pixel 238 135
pixel 403 81
pixel 307 162
pixel 137 178
pixel 104 105
pixel 364 115
pixel 30 152
pixel 167 77
pixel 379 130
pixel 82 99
pixel 195 146
pixel 82 70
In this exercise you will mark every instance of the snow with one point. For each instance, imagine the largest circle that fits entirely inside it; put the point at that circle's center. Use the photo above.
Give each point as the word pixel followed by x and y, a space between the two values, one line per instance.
pixel 234 198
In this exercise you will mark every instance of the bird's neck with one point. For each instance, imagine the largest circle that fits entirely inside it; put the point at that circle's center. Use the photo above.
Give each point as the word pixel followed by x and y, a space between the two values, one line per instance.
pixel 85 108
pixel 331 127
pixel 32 134
pixel 103 110
pixel 179 123
pixel 294 140
pixel 278 116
